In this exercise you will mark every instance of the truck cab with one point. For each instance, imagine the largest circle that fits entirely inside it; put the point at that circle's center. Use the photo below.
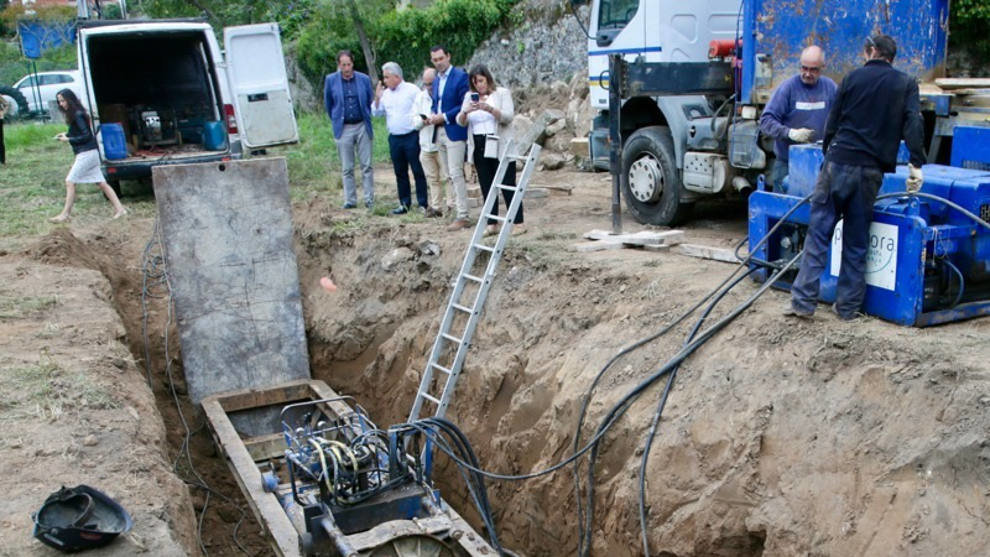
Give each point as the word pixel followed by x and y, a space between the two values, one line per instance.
pixel 170 96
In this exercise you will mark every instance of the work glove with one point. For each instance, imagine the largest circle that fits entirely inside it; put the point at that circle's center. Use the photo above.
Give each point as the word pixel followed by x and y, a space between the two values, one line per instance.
pixel 800 135
pixel 915 179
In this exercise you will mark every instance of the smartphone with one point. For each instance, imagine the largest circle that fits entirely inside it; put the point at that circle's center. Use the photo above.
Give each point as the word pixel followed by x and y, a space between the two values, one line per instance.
pixel 475 97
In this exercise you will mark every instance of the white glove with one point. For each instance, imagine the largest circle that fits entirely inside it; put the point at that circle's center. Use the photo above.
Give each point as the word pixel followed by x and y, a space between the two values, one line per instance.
pixel 915 179
pixel 800 135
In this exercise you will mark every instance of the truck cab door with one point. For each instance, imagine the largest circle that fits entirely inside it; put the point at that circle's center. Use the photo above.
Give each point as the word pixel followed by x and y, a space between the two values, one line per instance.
pixel 258 83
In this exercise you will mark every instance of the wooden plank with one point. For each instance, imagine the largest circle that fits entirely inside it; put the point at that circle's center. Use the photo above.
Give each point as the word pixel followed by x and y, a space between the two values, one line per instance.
pixel 963 82
pixel 582 247
pixel 708 252
pixel 265 506
pixel 265 447
pixel 641 238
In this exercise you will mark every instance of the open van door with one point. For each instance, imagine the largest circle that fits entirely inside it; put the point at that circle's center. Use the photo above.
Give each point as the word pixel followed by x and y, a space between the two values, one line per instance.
pixel 256 73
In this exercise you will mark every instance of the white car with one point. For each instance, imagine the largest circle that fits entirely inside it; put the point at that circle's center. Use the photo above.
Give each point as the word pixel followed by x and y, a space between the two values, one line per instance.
pixel 48 85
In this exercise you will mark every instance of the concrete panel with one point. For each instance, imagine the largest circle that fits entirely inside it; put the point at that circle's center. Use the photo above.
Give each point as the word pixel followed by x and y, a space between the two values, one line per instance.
pixel 227 232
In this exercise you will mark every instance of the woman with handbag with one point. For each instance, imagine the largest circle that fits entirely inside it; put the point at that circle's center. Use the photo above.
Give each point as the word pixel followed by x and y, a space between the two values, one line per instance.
pixel 86 167
pixel 487 112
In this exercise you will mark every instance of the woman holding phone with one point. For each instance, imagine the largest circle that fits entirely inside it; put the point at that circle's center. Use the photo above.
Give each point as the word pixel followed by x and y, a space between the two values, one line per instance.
pixel 86 167
pixel 487 112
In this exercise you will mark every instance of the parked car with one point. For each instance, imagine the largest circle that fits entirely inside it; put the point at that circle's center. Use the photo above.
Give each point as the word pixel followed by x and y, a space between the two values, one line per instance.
pixel 48 85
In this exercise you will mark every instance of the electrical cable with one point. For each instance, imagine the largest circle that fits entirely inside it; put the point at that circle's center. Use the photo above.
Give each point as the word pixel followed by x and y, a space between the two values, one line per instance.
pixel 962 281
pixel 660 406
pixel 156 268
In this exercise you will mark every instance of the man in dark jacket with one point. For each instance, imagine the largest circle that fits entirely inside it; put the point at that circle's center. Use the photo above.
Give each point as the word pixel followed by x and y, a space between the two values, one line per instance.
pixel 347 98
pixel 875 108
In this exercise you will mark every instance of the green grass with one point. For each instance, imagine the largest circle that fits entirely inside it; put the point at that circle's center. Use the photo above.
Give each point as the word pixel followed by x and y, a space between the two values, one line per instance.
pixel 32 183
pixel 12 307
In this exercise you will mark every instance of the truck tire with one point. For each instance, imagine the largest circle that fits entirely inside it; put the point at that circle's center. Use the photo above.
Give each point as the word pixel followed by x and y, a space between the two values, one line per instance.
pixel 21 110
pixel 649 178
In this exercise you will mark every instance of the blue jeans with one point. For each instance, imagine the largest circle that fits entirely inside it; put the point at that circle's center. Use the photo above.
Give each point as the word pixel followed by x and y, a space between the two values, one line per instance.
pixel 404 150
pixel 846 192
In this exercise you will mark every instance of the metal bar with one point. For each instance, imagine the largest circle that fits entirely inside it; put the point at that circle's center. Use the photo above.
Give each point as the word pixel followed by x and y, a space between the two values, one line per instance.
pixel 616 67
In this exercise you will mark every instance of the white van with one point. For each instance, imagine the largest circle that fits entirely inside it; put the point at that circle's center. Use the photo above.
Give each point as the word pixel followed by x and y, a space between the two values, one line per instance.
pixel 176 98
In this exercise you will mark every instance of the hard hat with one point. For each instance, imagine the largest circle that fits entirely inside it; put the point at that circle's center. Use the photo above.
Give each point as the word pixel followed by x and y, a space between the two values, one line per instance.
pixel 79 518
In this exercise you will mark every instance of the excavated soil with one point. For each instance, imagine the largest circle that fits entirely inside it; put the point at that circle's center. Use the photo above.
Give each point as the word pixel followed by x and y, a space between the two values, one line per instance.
pixel 779 437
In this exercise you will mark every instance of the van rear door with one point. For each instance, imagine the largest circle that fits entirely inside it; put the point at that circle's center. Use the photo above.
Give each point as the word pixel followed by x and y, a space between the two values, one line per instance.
pixel 256 73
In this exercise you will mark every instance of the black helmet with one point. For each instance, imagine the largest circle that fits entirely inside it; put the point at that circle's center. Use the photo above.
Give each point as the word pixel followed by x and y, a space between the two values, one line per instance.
pixel 79 518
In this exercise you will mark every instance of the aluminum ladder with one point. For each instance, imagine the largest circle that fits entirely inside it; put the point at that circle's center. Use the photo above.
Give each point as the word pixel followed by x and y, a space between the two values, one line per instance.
pixel 446 341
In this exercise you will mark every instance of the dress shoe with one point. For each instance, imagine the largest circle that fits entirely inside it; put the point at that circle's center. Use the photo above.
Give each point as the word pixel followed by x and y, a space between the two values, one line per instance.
pixel 348 205
pixel 458 224
pixel 369 204
pixel 433 213
pixel 400 210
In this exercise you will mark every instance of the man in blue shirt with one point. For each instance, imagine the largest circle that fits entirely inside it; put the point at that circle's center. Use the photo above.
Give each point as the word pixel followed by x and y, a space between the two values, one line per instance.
pixel 798 109
pixel 347 98
pixel 876 106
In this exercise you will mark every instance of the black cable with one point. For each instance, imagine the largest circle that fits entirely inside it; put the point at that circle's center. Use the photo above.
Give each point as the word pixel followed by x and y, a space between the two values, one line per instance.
pixel 660 406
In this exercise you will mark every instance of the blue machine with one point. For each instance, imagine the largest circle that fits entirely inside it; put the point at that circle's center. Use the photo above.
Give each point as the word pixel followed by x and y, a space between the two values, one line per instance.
pixel 927 264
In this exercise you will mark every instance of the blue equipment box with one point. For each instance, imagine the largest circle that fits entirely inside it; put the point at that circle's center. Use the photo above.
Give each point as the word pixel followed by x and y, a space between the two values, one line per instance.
pixel 928 263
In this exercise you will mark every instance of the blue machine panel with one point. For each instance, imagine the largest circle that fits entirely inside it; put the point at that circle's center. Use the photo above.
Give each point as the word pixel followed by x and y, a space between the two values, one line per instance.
pixel 775 32
pixel 971 147
pixel 928 263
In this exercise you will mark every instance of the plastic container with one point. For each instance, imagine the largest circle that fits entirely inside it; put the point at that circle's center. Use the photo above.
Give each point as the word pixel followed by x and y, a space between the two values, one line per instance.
pixel 214 136
pixel 114 142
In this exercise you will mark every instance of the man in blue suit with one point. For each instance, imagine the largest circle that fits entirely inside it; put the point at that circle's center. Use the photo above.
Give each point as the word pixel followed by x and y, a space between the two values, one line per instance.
pixel 347 98
pixel 449 89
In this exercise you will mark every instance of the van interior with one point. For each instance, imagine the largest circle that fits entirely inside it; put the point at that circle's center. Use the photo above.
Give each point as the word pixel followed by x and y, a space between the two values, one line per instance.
pixel 161 89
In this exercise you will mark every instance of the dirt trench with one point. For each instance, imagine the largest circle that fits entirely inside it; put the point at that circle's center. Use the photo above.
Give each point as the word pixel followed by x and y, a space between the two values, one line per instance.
pixel 779 438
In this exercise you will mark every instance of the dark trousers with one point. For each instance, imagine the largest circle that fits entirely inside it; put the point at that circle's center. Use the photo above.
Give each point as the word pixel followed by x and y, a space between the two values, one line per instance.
pixel 486 169
pixel 846 192
pixel 3 149
pixel 405 154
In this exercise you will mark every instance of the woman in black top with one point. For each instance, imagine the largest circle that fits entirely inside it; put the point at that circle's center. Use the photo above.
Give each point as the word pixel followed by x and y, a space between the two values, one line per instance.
pixel 86 167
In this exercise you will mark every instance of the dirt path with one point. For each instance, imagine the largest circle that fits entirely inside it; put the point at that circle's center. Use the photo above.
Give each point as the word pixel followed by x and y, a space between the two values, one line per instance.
pixel 779 438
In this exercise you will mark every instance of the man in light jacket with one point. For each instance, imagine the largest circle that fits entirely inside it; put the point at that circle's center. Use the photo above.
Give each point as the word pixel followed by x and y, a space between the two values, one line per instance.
pixel 347 97
pixel 434 166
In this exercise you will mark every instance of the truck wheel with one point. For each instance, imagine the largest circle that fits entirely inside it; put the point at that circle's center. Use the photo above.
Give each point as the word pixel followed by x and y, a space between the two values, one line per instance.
pixel 649 178
pixel 15 95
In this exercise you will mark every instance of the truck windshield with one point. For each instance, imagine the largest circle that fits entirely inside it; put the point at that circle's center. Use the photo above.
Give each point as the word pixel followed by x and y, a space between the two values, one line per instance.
pixel 615 14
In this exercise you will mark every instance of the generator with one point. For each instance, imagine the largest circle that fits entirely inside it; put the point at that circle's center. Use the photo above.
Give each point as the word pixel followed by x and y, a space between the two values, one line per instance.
pixel 928 262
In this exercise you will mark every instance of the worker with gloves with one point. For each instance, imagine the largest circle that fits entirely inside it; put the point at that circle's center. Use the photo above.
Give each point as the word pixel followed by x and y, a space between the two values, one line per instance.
pixel 875 108
pixel 797 110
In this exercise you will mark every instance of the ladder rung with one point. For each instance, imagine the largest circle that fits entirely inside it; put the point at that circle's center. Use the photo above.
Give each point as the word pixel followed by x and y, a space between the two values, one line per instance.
pixel 443 369
pixel 451 338
pixel 472 277
pixel 504 187
pixel 465 309
pixel 484 247
pixel 517 157
pixel 496 217
pixel 432 399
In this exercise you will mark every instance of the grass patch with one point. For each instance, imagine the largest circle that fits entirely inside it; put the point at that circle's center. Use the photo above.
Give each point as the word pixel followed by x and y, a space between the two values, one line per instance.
pixel 32 184
pixel 14 307
pixel 32 385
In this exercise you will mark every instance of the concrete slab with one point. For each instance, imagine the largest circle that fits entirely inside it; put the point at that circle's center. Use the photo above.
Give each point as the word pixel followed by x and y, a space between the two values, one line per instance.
pixel 227 233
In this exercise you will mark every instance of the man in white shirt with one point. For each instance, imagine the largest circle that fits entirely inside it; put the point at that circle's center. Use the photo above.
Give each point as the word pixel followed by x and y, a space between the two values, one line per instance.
pixel 434 165
pixel 395 99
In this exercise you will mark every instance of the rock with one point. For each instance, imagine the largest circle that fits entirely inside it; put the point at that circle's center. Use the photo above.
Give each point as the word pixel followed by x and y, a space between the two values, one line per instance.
pixel 554 115
pixel 428 249
pixel 552 161
pixel 556 126
pixel 396 256
pixel 90 441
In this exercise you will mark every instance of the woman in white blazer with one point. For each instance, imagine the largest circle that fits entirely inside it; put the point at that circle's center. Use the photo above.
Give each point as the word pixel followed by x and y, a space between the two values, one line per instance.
pixel 487 111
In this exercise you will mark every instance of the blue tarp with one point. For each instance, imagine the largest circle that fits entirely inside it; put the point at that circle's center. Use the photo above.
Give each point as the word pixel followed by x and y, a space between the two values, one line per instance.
pixel 36 36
